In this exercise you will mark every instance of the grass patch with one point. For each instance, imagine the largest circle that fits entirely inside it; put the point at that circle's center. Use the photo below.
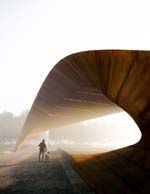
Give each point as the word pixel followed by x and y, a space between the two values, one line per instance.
pixel 3 151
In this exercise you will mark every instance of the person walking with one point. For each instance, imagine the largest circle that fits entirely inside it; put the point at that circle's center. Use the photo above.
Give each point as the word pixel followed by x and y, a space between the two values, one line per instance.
pixel 42 150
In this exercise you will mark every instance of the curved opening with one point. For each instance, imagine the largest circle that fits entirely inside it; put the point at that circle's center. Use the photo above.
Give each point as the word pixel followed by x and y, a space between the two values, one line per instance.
pixel 97 135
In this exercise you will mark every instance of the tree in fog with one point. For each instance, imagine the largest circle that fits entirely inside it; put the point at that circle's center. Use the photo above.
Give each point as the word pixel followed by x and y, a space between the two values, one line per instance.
pixel 10 125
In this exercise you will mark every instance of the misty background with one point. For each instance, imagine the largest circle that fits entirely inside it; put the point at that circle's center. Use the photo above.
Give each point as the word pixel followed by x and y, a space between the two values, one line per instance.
pixel 10 126
pixel 107 132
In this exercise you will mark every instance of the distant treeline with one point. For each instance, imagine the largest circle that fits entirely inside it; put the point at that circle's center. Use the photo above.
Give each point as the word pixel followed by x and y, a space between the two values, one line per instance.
pixel 10 125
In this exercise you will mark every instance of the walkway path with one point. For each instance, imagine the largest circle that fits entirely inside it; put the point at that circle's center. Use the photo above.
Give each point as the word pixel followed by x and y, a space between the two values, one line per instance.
pixel 31 177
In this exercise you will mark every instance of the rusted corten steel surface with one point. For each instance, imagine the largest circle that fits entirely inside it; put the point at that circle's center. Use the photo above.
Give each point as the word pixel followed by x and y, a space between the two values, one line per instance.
pixel 87 85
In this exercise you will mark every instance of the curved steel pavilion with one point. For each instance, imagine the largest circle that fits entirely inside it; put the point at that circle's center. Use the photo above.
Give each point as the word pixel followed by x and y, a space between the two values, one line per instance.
pixel 89 84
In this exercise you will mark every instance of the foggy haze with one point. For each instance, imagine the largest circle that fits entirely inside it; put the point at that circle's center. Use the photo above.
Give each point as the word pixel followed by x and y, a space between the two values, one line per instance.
pixel 10 126
pixel 112 131
pixel 107 132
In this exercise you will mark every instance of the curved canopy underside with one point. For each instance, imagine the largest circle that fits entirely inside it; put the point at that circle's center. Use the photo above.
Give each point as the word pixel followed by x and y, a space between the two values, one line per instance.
pixel 89 84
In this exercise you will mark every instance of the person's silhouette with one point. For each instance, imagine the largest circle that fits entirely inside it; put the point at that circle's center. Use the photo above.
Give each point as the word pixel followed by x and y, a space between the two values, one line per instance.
pixel 42 150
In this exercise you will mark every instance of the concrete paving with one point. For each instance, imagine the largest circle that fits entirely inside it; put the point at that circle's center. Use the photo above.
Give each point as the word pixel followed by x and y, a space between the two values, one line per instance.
pixel 30 176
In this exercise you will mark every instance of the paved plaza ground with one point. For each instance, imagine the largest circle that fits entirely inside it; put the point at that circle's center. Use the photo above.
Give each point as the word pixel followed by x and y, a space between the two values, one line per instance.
pixel 21 173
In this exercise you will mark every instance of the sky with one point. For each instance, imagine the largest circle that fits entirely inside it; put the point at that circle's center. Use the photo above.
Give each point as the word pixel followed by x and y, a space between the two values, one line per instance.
pixel 36 34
